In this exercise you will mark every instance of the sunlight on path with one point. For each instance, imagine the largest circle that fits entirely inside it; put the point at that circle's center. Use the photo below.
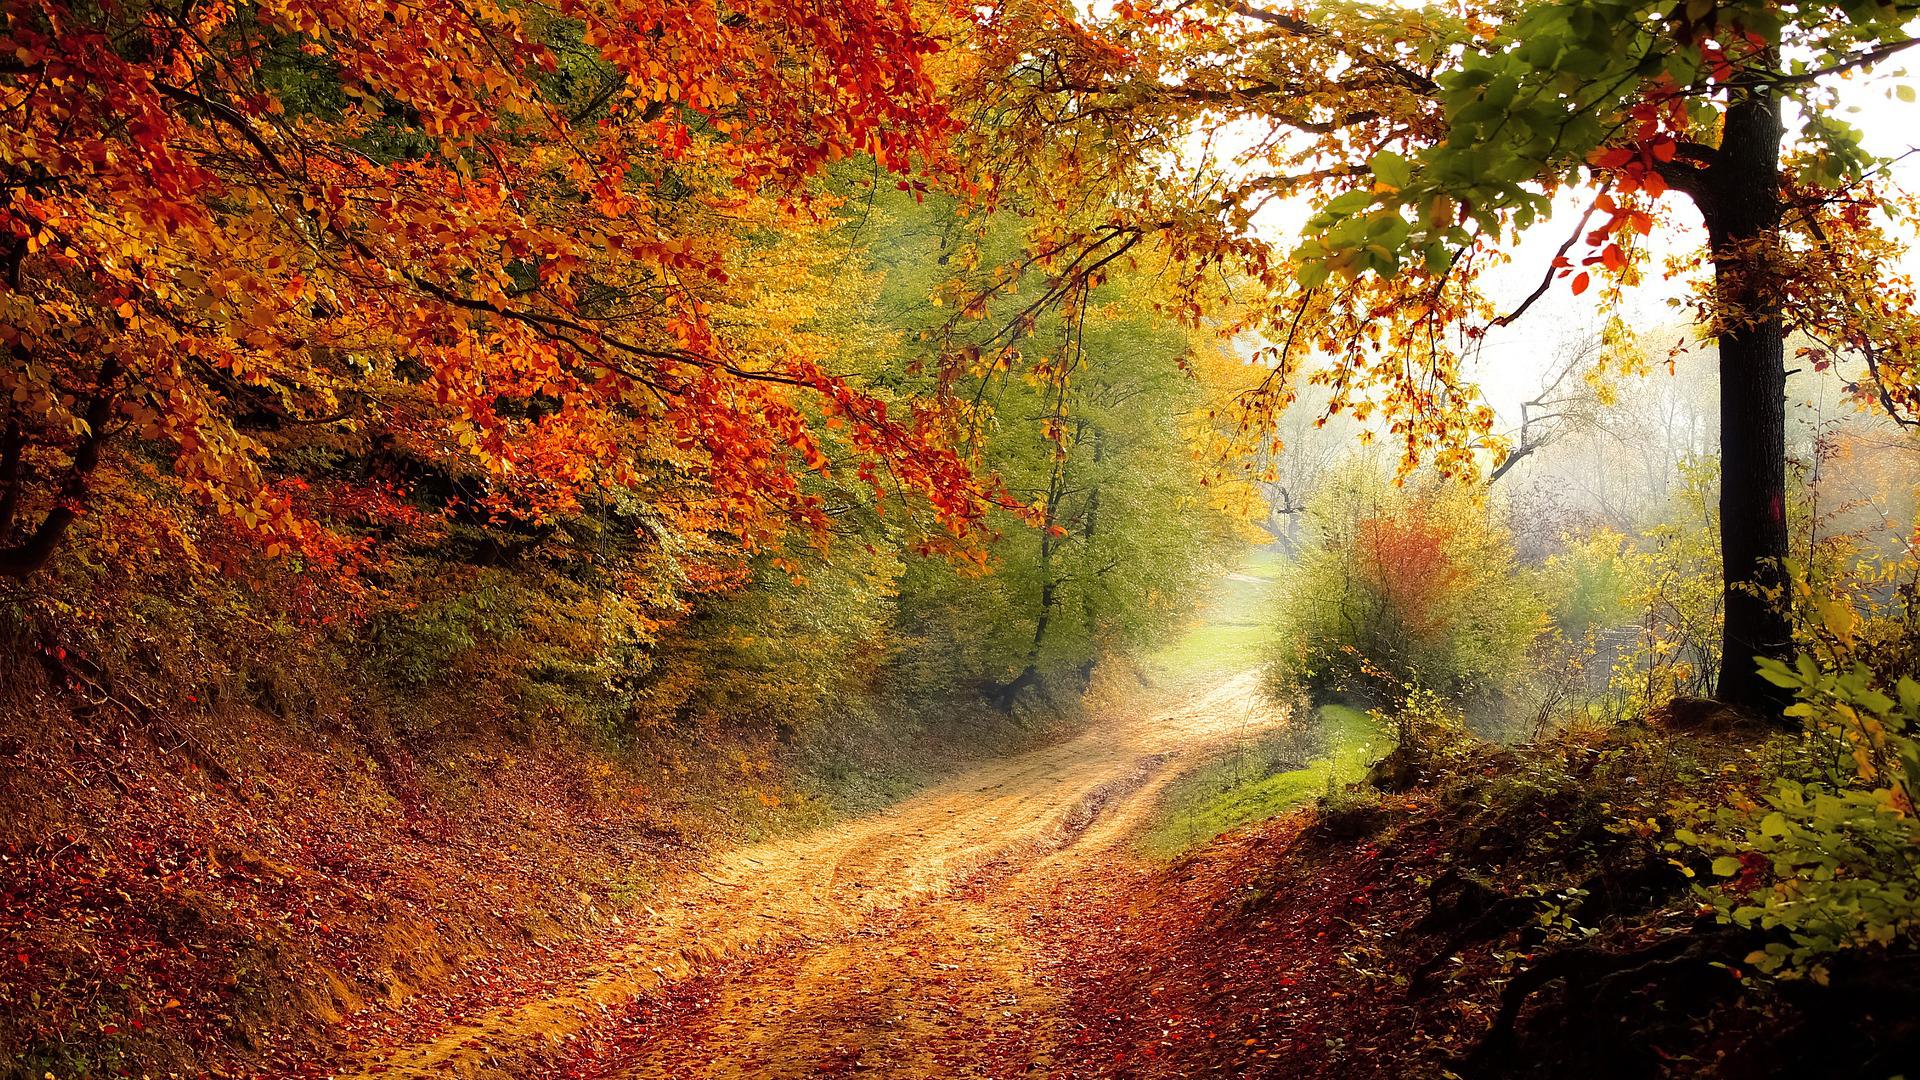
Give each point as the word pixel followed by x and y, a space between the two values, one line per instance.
pixel 841 904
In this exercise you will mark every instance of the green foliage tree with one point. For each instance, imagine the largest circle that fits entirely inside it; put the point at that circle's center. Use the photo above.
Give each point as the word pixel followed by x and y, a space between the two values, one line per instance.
pixel 1092 434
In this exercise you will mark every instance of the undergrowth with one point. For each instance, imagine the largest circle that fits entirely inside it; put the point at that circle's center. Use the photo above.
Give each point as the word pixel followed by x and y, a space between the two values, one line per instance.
pixel 1266 777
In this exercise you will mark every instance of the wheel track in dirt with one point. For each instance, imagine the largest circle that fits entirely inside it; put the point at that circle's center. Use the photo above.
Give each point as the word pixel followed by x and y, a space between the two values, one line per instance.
pixel 830 895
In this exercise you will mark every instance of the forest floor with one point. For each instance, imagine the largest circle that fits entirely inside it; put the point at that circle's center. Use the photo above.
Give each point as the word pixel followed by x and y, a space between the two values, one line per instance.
pixel 892 945
pixel 895 941
pixel 1150 897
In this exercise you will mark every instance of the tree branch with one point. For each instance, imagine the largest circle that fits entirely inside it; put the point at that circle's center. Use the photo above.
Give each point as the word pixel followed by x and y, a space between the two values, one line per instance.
pixel 1546 280
pixel 1858 60
pixel 1415 81
pixel 21 560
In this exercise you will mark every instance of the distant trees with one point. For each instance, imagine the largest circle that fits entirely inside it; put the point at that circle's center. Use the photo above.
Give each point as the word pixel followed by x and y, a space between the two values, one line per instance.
pixel 1094 430
pixel 1564 402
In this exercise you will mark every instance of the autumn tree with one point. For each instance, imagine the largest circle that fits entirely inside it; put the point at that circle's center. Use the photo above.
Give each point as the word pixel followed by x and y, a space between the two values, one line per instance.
pixel 1430 141
pixel 1405 586
pixel 1090 413
pixel 510 247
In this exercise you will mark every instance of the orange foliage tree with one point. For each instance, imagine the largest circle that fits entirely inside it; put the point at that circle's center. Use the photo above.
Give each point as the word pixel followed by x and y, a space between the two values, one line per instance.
pixel 500 242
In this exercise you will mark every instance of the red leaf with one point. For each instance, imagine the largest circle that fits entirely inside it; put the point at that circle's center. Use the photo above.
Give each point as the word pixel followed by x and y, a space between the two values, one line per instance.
pixel 1580 283
pixel 1612 158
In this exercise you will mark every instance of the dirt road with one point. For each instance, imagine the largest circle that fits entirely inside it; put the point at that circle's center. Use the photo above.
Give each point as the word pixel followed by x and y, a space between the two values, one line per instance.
pixel 890 944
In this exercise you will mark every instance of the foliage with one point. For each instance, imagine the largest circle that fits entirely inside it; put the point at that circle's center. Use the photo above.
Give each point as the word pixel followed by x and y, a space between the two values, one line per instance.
pixel 1092 435
pixel 1593 582
pixel 1831 860
pixel 1828 856
pixel 1430 139
pixel 577 365
pixel 784 656
pixel 1678 604
pixel 340 273
pixel 1406 587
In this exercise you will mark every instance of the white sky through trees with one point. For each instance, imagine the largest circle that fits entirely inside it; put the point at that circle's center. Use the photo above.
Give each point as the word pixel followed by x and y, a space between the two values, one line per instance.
pixel 1511 362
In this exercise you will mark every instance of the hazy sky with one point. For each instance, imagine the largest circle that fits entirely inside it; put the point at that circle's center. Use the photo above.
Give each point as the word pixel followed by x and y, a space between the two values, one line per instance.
pixel 1512 358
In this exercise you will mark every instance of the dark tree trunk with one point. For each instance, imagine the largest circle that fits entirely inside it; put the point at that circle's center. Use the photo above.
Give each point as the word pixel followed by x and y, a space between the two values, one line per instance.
pixel 1753 520
pixel 1005 695
pixel 22 559
pixel 1088 611
pixel 1743 212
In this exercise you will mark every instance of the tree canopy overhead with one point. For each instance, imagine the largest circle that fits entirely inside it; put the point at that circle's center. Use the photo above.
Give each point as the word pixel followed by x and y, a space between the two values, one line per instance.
pixel 1431 140
pixel 533 259
pixel 504 242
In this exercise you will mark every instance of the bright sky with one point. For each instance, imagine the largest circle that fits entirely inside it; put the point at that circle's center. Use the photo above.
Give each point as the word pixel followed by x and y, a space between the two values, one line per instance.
pixel 1512 358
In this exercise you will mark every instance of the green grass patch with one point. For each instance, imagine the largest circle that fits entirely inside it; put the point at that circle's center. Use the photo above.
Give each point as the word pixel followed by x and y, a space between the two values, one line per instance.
pixel 1234 630
pixel 1266 778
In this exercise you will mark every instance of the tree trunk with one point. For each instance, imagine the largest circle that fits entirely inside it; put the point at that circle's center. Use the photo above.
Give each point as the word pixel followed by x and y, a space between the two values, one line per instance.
pixel 1089 612
pixel 22 560
pixel 1743 214
pixel 1005 695
pixel 1753 520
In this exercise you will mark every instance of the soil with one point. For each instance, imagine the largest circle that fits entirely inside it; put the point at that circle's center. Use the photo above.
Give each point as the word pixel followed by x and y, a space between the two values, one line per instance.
pixel 916 942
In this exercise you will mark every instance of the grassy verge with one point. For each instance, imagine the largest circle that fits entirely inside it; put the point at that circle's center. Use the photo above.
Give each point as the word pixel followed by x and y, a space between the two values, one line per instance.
pixel 1231 633
pixel 1265 778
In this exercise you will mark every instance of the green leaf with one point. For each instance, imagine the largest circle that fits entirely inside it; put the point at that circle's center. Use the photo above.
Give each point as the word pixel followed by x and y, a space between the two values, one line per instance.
pixel 1342 205
pixel 1726 866
pixel 1391 169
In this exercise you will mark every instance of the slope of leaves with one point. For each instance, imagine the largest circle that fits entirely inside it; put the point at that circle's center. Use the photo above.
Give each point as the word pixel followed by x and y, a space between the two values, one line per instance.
pixel 1382 936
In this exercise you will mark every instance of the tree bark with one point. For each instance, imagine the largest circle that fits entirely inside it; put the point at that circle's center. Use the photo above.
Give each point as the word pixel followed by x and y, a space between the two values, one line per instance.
pixel 21 560
pixel 1005 695
pixel 1743 215
pixel 1088 610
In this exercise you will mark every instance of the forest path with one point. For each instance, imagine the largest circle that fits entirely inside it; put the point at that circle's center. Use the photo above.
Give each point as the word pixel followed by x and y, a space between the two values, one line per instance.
pixel 889 944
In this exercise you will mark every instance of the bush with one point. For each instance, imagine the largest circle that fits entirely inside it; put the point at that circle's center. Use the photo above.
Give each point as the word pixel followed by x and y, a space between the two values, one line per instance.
pixel 1831 855
pixel 1676 602
pixel 1404 587
pixel 1594 582
pixel 1834 861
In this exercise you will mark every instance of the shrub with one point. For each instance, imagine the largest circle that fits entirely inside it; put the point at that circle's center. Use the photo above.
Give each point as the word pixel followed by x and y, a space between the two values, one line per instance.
pixel 1833 860
pixel 1831 855
pixel 1593 582
pixel 1406 587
